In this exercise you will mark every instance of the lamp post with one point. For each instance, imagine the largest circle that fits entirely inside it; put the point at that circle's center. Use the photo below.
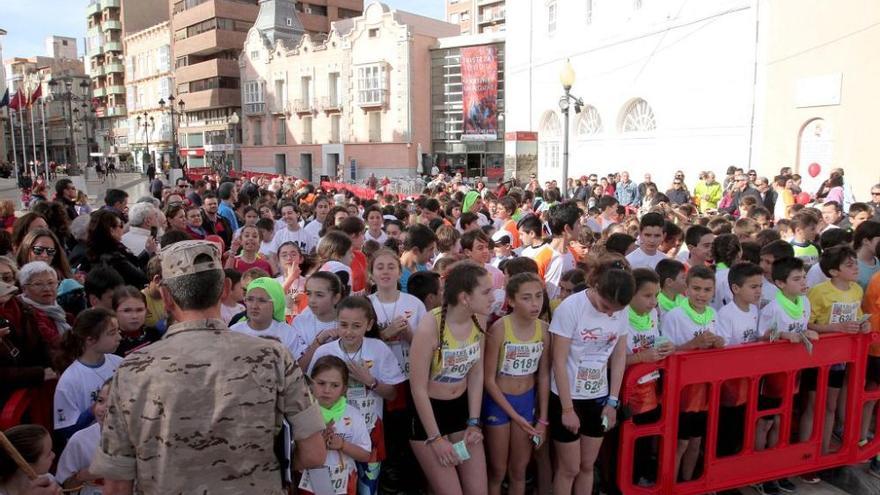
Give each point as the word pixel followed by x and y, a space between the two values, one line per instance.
pixel 230 142
pixel 567 78
pixel 174 125
pixel 64 93
pixel 148 123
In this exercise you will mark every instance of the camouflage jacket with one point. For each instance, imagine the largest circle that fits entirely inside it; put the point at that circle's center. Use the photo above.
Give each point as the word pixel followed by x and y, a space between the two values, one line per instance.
pixel 197 412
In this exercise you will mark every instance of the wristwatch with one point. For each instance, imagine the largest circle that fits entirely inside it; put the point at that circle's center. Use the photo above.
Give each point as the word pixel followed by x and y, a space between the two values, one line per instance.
pixel 612 402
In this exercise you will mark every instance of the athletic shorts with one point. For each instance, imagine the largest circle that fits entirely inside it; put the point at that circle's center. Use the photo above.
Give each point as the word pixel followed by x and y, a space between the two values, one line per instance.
pixel 451 416
pixel 692 425
pixel 765 403
pixel 873 371
pixel 523 404
pixel 810 378
pixel 589 411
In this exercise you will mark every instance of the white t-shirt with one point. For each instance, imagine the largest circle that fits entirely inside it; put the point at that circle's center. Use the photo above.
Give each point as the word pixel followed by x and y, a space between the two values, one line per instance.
pixel 341 270
pixel 774 317
pixel 723 295
pixel 641 259
pixel 227 313
pixel 641 340
pixel 78 455
pixel 381 239
pixel 593 337
pixel 353 430
pixel 282 332
pixel 78 389
pixel 302 237
pixel 737 326
pixel 815 276
pixel 681 329
pixel 406 305
pixel 768 292
pixel 379 359
pixel 559 264
pixel 267 248
pixel 313 228
pixel 306 328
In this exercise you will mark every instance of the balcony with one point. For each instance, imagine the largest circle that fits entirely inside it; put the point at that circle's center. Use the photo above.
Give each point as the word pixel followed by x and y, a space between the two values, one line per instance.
pixel 210 42
pixel 211 98
pixel 93 8
pixel 95 51
pixel 331 104
pixel 207 69
pixel 117 111
pixel 490 17
pixel 303 107
pixel 254 108
pixel 279 107
pixel 373 98
pixel 113 46
pixel 110 24
pixel 116 90
pixel 114 68
pixel 106 4
pixel 99 92
pixel 98 71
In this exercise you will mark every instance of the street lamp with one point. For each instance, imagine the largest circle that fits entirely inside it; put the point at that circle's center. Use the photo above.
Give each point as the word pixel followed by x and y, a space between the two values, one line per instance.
pixel 567 78
pixel 174 125
pixel 233 123
pixel 149 122
pixel 66 95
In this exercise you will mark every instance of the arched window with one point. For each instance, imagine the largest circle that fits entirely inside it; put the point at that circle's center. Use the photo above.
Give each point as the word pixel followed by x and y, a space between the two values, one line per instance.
pixel 589 122
pixel 638 117
pixel 549 134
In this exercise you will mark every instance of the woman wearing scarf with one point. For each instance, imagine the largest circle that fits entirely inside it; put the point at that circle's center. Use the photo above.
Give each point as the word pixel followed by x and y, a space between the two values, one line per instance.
pixel 39 283
pixel 266 315
pixel 474 204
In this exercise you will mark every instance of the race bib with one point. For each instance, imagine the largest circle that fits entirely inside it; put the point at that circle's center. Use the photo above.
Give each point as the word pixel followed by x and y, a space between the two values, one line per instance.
pixel 325 480
pixel 455 363
pixel 842 312
pixel 591 380
pixel 365 401
pixel 400 350
pixel 521 359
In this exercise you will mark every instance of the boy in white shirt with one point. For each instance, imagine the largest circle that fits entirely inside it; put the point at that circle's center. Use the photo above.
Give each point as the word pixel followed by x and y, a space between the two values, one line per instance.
pixel 771 252
pixel 692 325
pixel 647 254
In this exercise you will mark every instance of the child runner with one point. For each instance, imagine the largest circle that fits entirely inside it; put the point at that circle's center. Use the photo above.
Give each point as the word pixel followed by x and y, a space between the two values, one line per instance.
pixel 775 250
pixel 291 278
pixel 517 383
pixel 334 256
pixel 447 384
pixel 865 241
pixel 230 304
pixel 131 312
pixel 346 437
pixel 373 371
pixel 73 465
pixel 692 325
pixel 726 251
pixel 317 324
pixel 785 316
pixel 835 306
pixel 673 284
pixel 804 227
pixel 88 348
pixel 589 331
pixel 426 287
pixel 375 222
pixel 264 301
pixel 418 249
pixel 250 256
pixel 650 236
pixel 698 240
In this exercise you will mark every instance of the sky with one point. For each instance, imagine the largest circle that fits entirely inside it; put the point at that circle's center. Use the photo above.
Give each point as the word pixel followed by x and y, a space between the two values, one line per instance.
pixel 28 23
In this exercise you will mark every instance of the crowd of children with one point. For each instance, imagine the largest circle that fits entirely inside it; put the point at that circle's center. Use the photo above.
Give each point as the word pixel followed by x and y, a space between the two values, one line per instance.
pixel 475 344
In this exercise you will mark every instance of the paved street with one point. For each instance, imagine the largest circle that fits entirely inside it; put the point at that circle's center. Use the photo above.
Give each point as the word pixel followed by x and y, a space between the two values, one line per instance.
pixel 135 184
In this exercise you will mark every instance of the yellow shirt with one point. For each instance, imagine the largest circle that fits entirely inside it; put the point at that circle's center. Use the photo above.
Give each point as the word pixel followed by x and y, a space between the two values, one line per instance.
pixel 155 310
pixel 828 304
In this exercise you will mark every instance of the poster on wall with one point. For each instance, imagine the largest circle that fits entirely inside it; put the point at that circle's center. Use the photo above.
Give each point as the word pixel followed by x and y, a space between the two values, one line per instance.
pixel 479 80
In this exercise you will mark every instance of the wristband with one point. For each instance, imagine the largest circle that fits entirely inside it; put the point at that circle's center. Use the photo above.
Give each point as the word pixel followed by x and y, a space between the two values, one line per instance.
pixel 612 402
pixel 430 440
pixel 374 385
pixel 543 422
pixel 473 422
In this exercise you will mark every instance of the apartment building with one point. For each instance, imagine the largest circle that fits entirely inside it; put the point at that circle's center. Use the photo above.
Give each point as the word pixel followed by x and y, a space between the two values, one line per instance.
pixel 207 39
pixel 476 16
pixel 109 21
pixel 353 103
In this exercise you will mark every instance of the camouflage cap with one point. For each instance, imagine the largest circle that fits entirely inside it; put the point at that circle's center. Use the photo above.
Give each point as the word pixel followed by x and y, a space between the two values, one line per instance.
pixel 178 259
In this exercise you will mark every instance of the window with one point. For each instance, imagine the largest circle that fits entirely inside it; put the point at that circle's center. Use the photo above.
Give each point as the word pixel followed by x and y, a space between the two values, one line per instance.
pixel 255 55
pixel 589 122
pixel 588 11
pixel 306 89
pixel 453 18
pixel 164 58
pixel 373 33
pixel 466 15
pixel 258 132
pixel 371 84
pixel 335 123
pixel 549 133
pixel 280 95
pixel 333 90
pixel 638 117
pixel 253 97
pixel 289 22
pixel 281 131
pixel 316 9
pixel 551 17
pixel 307 130
pixel 375 126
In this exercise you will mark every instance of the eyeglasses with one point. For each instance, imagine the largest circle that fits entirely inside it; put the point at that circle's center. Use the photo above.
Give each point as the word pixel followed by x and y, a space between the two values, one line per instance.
pixel 676 183
pixel 752 174
pixel 39 250
pixel 875 193
pixel 44 285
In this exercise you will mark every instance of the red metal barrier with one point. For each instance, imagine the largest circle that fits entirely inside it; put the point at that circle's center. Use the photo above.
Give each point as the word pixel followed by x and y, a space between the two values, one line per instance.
pixel 359 191
pixel 751 362
pixel 34 404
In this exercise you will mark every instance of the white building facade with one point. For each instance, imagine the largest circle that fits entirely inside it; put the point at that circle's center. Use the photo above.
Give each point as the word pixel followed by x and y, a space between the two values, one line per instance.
pixel 666 84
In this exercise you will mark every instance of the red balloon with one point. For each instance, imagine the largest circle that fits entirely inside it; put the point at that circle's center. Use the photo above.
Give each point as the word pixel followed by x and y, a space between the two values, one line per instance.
pixel 803 198
pixel 814 169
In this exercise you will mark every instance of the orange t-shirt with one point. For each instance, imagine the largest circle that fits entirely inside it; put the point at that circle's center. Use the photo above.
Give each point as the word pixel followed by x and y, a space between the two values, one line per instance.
pixel 695 398
pixel 358 271
pixel 871 305
pixel 510 227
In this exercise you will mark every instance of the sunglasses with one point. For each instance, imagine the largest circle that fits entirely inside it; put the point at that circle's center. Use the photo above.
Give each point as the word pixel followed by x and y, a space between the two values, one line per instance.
pixel 39 250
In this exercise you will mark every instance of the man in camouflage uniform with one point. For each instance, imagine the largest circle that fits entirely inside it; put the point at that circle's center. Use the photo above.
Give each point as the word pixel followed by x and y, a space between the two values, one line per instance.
pixel 198 411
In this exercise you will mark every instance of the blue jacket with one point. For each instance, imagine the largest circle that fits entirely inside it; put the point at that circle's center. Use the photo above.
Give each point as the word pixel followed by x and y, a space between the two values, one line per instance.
pixel 627 194
pixel 225 211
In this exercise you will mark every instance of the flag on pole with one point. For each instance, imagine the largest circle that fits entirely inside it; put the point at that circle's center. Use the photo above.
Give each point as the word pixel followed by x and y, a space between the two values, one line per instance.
pixel 36 95
pixel 5 101
pixel 16 102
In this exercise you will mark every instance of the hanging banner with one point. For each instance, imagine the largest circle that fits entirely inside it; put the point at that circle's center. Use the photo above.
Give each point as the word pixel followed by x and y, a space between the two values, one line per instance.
pixel 479 81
